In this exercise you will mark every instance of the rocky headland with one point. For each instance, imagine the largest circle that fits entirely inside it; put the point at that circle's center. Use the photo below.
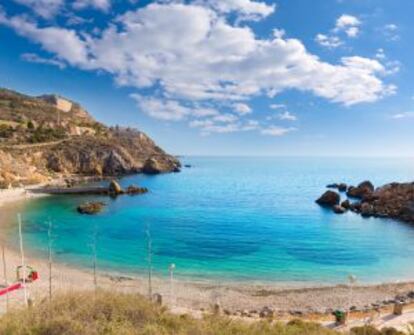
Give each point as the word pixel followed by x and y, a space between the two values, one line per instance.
pixel 394 200
pixel 51 137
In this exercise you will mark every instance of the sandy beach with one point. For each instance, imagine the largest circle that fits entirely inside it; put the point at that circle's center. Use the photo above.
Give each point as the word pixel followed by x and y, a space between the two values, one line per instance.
pixel 239 300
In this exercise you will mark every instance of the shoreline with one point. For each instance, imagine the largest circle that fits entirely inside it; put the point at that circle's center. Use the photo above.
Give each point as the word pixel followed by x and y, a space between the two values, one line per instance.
pixel 196 296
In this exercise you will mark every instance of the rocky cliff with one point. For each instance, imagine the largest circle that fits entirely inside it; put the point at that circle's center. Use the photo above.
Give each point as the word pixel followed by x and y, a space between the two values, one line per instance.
pixel 43 138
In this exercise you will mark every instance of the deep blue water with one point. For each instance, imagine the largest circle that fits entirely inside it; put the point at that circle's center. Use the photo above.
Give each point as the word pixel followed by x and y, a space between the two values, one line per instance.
pixel 251 219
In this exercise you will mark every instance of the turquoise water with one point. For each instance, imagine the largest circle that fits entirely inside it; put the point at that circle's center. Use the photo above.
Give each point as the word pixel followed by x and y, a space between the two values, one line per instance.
pixel 235 219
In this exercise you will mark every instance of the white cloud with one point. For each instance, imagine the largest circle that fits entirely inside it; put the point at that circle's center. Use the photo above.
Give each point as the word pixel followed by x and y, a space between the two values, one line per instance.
pixel 168 110
pixel 380 54
pixel 194 56
pixel 287 116
pixel 225 118
pixel 276 131
pixel 348 24
pixel 246 9
pixel 328 41
pixel 345 21
pixel 391 32
pixel 404 115
pixel 64 43
pixel 103 5
pixel 277 106
pixel 242 109
pixel 34 58
pixel 43 8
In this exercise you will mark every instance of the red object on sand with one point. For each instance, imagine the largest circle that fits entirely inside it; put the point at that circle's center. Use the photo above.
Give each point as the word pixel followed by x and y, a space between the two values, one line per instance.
pixel 10 288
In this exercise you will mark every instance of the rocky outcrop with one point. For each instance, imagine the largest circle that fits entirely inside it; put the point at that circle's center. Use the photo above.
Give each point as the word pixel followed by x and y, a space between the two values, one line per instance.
pixel 43 145
pixel 133 190
pixel 394 201
pixel 329 199
pixel 363 189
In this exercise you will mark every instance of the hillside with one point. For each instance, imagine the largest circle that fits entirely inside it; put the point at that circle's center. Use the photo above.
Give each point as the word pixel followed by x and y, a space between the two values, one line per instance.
pixel 49 136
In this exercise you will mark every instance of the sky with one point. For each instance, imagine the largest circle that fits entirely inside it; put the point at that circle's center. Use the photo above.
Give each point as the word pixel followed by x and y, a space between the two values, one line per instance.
pixel 225 77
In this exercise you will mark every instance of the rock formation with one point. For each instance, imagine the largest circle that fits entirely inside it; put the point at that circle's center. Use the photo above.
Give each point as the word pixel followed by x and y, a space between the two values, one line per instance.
pixel 329 199
pixel 91 208
pixel 394 201
pixel 38 143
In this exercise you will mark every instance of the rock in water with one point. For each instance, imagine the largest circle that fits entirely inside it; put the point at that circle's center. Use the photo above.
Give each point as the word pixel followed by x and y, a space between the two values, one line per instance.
pixel 338 209
pixel 362 190
pixel 115 188
pixel 91 208
pixel 346 204
pixel 133 190
pixel 329 199
pixel 367 185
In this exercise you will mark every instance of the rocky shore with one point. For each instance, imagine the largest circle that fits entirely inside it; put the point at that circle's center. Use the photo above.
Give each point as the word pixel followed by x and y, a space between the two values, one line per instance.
pixel 394 200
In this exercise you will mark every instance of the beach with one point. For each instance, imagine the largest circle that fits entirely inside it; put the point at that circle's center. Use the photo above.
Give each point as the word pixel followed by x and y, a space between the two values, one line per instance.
pixel 196 297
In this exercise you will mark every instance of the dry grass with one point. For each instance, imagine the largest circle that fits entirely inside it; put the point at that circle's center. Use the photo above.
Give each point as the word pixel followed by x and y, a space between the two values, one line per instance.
pixel 126 314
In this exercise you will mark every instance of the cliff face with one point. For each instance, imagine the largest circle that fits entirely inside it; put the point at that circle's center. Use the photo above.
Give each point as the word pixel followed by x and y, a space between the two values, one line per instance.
pixel 50 136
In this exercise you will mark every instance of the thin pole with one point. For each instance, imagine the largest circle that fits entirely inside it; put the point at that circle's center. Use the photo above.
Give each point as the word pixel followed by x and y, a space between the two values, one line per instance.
pixel 172 268
pixel 149 250
pixel 49 234
pixel 19 219
pixel 95 279
pixel 5 276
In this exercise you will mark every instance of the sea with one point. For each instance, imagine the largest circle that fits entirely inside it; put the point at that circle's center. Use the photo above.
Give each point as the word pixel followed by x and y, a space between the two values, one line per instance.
pixel 230 219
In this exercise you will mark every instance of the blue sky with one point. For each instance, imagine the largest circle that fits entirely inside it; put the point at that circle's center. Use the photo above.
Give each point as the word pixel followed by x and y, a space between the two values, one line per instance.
pixel 225 77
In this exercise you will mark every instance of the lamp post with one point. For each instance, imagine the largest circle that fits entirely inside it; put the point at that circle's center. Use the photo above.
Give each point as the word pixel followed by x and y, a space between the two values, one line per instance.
pixel 171 269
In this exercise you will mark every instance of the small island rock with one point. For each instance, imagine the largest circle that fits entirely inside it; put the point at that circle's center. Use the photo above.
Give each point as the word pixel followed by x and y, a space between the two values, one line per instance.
pixel 338 209
pixel 114 188
pixel 91 208
pixel 133 190
pixel 329 199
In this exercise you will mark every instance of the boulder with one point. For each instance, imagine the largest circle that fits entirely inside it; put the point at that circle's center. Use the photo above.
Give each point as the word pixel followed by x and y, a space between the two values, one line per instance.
pixel 342 187
pixel 329 199
pixel 338 209
pixel 367 185
pixel 91 208
pixel 133 190
pixel 346 204
pixel 114 188
pixel 364 189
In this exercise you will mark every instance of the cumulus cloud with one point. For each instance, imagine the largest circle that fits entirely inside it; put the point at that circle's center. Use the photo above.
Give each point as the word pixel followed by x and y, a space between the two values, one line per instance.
pixel 277 106
pixel 103 5
pixel 287 116
pixel 391 32
pixel 197 60
pixel 242 108
pixel 246 9
pixel 276 131
pixel 34 58
pixel 346 24
pixel 403 115
pixel 328 41
pixel 349 24
pixel 43 8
